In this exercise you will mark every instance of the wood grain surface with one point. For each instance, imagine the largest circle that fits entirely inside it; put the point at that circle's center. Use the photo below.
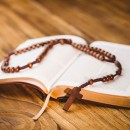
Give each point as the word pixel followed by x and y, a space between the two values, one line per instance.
pixel 92 20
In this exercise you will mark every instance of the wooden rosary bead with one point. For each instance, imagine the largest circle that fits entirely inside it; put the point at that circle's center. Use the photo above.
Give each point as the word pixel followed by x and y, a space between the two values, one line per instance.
pixel 90 82
pixel 24 50
pixel 91 52
pixel 112 56
pixel 97 55
pixel 105 52
pixel 88 50
pixel 69 41
pixel 16 53
pixel 84 50
pixel 30 65
pixel 76 45
pixel 62 41
pixel 104 79
pixel 55 41
pixel 33 47
pixel 37 45
pixel 38 60
pixel 108 54
pixel 12 70
pixel 101 58
pixel 118 72
pixel 6 63
pixel 17 69
pixel 8 70
pixel 79 46
pixel 107 79
pixel 118 64
pixel 94 54
pixel 111 77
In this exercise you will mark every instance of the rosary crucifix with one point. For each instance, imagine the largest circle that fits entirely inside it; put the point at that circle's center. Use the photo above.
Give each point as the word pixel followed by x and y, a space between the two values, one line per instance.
pixel 75 92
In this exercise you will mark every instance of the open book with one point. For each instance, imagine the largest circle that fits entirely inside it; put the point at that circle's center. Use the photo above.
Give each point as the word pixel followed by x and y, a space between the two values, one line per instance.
pixel 64 67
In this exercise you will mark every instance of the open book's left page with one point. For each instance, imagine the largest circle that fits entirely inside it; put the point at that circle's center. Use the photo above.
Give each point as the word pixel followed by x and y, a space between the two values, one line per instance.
pixel 52 66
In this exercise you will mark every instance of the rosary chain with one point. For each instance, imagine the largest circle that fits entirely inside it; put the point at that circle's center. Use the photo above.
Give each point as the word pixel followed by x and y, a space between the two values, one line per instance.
pixel 93 51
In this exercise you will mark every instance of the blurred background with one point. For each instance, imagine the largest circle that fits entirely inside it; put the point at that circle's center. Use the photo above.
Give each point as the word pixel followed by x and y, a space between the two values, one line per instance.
pixel 90 19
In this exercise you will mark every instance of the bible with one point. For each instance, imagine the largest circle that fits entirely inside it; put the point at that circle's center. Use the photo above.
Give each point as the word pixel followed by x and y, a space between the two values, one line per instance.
pixel 64 67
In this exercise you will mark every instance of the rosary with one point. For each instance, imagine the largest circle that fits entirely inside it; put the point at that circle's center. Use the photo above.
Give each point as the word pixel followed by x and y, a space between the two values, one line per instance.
pixel 75 92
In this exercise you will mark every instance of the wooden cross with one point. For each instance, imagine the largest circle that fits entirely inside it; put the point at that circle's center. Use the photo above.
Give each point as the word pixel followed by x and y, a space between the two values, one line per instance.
pixel 73 94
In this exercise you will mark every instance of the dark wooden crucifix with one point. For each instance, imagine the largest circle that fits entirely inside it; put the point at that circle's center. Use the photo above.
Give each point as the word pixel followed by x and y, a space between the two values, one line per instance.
pixel 73 94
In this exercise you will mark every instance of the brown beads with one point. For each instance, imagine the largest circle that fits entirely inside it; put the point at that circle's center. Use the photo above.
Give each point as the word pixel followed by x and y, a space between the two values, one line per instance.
pixel 10 69
pixel 16 53
pixel 5 67
pixel 37 45
pixel 117 63
pixel 118 72
pixel 62 41
pixel 17 69
pixel 38 60
pixel 108 78
pixel 95 52
pixel 80 47
pixel 91 81
pixel 103 53
pixel 6 63
pixel 30 65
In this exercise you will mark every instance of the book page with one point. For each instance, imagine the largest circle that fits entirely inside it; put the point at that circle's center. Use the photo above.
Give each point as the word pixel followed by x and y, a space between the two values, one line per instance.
pixel 87 67
pixel 58 59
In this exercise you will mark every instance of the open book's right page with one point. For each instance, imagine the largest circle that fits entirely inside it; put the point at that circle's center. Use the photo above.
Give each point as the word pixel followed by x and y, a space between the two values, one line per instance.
pixel 87 67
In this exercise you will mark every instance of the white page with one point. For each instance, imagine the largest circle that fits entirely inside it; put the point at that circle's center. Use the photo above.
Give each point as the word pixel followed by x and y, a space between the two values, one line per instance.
pixel 52 66
pixel 87 67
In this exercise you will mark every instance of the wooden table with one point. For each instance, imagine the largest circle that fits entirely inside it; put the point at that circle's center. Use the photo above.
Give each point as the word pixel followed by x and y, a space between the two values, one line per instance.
pixel 92 20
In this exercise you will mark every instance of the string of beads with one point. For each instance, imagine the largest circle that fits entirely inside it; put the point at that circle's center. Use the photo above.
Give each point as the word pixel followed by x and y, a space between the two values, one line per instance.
pixel 93 51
